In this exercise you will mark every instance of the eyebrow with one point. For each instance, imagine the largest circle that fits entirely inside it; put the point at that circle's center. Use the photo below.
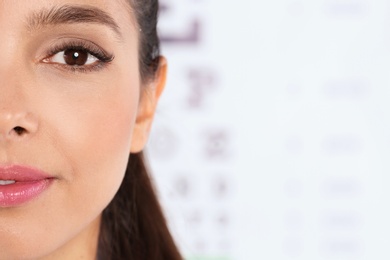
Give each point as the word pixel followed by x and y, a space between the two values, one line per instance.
pixel 68 14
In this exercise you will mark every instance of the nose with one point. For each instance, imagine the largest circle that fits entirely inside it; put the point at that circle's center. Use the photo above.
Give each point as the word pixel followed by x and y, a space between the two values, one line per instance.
pixel 17 120
pixel 16 125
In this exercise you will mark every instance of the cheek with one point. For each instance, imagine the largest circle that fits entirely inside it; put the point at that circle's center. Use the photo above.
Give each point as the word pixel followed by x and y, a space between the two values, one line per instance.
pixel 94 131
pixel 98 130
pixel 92 127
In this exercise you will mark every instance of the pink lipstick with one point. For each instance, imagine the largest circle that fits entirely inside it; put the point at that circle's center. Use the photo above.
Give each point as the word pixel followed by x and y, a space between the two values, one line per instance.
pixel 20 184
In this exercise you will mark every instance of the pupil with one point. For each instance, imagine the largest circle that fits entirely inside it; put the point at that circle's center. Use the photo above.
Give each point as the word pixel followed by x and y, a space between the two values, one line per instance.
pixel 75 57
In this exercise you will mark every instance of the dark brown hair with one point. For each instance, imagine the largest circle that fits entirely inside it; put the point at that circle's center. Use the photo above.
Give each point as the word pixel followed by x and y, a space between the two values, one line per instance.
pixel 133 226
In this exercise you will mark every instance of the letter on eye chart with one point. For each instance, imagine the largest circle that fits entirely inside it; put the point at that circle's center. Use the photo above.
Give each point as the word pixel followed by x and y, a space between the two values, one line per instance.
pixel 190 35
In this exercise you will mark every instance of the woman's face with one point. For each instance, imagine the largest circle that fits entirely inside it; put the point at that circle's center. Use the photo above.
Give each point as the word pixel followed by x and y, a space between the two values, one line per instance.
pixel 70 106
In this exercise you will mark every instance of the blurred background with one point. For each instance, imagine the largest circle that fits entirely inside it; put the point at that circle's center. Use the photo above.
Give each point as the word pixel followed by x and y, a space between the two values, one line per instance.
pixel 272 138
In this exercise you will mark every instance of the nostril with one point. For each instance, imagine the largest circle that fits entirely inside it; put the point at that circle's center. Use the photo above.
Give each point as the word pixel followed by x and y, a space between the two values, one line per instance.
pixel 19 130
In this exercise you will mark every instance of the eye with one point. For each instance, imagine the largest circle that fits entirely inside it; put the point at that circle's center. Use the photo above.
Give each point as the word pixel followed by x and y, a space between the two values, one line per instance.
pixel 74 57
pixel 78 56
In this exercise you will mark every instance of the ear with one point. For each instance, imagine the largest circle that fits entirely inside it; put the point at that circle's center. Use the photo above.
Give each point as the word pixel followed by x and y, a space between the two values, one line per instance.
pixel 147 108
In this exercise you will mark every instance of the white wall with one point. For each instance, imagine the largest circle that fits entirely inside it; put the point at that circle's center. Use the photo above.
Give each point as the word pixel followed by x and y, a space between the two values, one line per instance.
pixel 273 135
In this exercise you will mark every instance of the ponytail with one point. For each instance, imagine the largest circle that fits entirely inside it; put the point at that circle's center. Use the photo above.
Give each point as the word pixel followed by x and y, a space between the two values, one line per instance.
pixel 133 226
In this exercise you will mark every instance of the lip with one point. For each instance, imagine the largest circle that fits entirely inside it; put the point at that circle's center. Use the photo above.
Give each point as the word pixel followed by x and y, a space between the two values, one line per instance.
pixel 29 184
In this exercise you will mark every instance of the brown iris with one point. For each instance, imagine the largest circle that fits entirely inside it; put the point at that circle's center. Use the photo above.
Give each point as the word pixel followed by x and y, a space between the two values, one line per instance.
pixel 75 57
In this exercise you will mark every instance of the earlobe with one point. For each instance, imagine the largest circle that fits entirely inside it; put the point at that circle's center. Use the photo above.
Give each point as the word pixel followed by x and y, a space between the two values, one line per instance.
pixel 150 95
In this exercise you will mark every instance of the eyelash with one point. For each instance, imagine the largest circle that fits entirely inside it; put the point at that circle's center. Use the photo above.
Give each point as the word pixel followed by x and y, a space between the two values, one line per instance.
pixel 103 58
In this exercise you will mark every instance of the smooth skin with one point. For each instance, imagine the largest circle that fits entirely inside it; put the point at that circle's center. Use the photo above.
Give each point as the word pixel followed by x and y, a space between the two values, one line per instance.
pixel 79 123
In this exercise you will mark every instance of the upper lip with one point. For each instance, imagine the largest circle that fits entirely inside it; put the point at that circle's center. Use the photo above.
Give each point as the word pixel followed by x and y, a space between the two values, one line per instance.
pixel 22 173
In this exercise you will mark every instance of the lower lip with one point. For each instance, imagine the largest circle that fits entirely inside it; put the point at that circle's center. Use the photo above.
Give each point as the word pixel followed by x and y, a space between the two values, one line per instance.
pixel 20 192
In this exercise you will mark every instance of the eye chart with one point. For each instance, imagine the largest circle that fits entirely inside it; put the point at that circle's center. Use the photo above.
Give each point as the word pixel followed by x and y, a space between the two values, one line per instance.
pixel 272 139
